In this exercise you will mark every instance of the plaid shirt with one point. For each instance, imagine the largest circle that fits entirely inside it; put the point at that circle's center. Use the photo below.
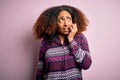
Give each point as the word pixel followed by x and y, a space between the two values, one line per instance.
pixel 63 61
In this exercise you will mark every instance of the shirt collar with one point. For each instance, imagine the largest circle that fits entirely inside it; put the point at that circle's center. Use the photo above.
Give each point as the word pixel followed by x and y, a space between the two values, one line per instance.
pixel 58 41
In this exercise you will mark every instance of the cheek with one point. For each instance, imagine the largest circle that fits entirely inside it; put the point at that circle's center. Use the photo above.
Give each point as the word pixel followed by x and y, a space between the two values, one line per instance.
pixel 70 23
pixel 59 29
pixel 60 26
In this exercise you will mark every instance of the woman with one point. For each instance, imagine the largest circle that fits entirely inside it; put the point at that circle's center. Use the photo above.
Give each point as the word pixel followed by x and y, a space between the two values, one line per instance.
pixel 64 50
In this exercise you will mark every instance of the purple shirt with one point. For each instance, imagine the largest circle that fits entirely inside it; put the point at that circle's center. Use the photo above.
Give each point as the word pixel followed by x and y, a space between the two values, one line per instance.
pixel 63 62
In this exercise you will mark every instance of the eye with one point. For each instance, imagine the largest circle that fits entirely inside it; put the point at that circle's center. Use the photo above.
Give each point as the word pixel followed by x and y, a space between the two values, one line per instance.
pixel 60 20
pixel 69 19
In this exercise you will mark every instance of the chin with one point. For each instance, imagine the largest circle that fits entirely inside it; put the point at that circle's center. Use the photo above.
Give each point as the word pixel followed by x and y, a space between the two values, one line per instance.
pixel 66 33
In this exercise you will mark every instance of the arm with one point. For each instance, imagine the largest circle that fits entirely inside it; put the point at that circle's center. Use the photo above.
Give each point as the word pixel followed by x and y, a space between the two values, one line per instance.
pixel 79 47
pixel 80 50
pixel 40 69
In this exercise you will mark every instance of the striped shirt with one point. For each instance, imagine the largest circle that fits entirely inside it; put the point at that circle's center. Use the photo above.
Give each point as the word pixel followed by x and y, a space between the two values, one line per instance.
pixel 63 61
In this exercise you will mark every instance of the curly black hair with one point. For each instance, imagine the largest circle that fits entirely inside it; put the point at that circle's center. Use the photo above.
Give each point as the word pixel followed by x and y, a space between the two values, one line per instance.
pixel 46 24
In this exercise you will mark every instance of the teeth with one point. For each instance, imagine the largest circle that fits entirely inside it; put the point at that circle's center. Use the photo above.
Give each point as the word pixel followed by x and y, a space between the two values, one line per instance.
pixel 66 29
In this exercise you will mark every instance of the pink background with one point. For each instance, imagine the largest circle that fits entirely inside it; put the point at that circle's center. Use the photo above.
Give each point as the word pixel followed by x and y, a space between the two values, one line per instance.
pixel 19 50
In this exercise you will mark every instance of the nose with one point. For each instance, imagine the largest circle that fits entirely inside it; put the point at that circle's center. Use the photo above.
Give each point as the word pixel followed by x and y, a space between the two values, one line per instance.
pixel 65 22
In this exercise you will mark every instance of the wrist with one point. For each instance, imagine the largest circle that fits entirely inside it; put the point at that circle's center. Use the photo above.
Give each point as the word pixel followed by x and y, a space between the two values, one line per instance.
pixel 72 44
pixel 70 39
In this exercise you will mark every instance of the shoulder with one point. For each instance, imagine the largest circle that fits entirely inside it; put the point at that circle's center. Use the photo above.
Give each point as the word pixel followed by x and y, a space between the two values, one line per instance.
pixel 44 42
pixel 79 36
pixel 82 41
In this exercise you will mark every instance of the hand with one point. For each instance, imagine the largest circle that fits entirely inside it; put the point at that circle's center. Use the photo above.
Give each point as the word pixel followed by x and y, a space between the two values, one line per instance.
pixel 73 31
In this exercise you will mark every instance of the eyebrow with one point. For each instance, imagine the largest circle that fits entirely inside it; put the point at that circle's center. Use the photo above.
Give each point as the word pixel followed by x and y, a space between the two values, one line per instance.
pixel 63 17
pixel 69 17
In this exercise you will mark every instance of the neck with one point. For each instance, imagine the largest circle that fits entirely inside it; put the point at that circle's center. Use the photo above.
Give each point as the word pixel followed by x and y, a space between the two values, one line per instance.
pixel 62 38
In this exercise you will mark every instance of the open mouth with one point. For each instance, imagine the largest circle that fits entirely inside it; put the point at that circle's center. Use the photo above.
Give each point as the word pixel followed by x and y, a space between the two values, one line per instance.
pixel 66 29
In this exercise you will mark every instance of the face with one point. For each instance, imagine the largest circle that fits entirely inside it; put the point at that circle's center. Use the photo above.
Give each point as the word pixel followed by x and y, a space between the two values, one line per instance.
pixel 64 21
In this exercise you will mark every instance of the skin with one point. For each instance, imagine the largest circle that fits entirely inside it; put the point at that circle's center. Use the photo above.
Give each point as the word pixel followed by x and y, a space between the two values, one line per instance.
pixel 65 26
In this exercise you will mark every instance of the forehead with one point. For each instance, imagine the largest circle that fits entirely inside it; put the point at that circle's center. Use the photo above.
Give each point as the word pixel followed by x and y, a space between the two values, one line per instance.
pixel 64 13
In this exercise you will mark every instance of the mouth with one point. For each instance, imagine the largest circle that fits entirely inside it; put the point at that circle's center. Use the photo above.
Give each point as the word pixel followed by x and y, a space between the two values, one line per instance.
pixel 66 29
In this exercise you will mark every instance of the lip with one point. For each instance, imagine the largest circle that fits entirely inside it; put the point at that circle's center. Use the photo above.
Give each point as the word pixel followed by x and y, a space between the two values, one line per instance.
pixel 66 29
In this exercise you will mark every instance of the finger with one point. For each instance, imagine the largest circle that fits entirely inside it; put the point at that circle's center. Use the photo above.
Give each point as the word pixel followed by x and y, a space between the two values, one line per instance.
pixel 75 27
pixel 71 28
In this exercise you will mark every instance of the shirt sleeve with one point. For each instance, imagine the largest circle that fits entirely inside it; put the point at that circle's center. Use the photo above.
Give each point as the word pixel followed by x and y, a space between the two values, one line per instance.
pixel 80 50
pixel 40 68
